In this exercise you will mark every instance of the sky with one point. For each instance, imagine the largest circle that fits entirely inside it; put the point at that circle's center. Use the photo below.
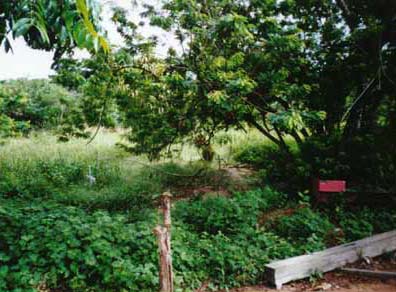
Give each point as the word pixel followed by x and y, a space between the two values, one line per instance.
pixel 28 63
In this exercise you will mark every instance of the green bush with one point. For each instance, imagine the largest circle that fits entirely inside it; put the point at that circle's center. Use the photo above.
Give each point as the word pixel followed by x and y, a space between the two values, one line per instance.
pixel 362 222
pixel 228 215
pixel 304 228
pixel 224 243
pixel 240 259
pixel 215 239
pixel 67 248
pixel 32 104
pixel 284 171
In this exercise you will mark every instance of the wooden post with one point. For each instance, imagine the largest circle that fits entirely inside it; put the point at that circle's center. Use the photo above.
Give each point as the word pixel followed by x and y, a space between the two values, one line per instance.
pixel 166 209
pixel 163 234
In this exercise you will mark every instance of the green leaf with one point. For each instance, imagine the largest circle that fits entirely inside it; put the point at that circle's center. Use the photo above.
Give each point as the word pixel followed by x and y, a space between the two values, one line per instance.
pixel 22 26
pixel 83 9
pixel 43 32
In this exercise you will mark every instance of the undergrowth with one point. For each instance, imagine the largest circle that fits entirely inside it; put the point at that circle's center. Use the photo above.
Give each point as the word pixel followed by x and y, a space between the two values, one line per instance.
pixel 61 232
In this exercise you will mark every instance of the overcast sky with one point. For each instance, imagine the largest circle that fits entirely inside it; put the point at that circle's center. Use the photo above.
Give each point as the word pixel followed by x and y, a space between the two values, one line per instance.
pixel 28 63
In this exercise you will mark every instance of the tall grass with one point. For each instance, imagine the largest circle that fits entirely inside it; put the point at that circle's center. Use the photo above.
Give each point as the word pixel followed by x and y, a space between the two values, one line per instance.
pixel 225 145
pixel 41 167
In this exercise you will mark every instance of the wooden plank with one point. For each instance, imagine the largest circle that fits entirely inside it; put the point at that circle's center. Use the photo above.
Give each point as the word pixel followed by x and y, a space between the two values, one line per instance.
pixel 283 271
pixel 369 273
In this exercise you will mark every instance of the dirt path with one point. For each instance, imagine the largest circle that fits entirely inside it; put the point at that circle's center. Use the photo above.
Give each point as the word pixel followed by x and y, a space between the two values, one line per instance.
pixel 332 282
pixel 340 282
pixel 355 287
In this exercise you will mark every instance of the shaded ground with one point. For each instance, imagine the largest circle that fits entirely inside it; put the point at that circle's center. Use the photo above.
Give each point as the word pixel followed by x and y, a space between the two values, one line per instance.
pixel 355 287
pixel 341 282
pixel 223 183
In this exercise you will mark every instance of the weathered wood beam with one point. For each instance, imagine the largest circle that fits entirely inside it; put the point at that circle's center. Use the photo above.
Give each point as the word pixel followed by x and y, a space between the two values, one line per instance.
pixel 283 271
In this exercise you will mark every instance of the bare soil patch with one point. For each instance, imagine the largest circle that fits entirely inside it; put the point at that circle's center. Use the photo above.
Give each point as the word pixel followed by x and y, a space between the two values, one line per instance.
pixel 225 181
pixel 341 282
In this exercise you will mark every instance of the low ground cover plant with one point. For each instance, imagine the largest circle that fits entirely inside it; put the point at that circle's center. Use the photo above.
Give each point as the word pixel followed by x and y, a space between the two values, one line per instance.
pixel 216 239
pixel 62 233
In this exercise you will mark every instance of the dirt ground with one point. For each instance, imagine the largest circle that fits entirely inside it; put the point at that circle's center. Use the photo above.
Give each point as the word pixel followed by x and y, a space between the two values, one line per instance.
pixel 356 287
pixel 341 282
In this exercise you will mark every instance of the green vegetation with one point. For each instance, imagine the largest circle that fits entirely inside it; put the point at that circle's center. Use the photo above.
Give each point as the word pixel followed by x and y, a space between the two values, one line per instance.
pixel 27 105
pixel 48 25
pixel 61 233
pixel 298 73
pixel 289 90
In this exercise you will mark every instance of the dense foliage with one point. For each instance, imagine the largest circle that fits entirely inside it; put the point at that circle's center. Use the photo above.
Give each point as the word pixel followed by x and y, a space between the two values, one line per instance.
pixel 62 232
pixel 67 248
pixel 33 104
pixel 314 78
pixel 52 25
pixel 318 73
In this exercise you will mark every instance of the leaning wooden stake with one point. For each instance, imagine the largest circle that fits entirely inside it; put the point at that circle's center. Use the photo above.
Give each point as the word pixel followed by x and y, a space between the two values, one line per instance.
pixel 163 234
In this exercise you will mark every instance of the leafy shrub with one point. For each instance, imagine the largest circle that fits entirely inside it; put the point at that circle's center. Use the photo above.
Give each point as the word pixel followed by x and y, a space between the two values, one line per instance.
pixel 66 248
pixel 32 104
pixel 240 259
pixel 356 228
pixel 224 241
pixel 285 171
pixel 255 154
pixel 228 215
pixel 71 249
pixel 362 222
pixel 305 228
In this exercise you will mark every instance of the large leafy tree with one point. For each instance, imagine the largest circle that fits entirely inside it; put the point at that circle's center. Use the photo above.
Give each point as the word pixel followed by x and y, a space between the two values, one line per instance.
pixel 353 46
pixel 305 69
pixel 241 64
pixel 302 68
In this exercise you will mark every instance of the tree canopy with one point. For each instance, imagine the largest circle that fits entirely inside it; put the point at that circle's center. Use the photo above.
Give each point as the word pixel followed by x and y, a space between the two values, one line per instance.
pixel 26 105
pixel 284 67
pixel 52 25
pixel 320 73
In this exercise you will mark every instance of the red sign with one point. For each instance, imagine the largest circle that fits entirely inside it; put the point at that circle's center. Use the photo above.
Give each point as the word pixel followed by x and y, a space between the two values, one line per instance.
pixel 331 186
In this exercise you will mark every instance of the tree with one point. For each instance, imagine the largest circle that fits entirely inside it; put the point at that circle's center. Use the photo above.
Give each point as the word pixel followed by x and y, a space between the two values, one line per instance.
pixel 353 45
pixel 241 64
pixel 33 104
pixel 299 68
pixel 305 69
pixel 52 25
